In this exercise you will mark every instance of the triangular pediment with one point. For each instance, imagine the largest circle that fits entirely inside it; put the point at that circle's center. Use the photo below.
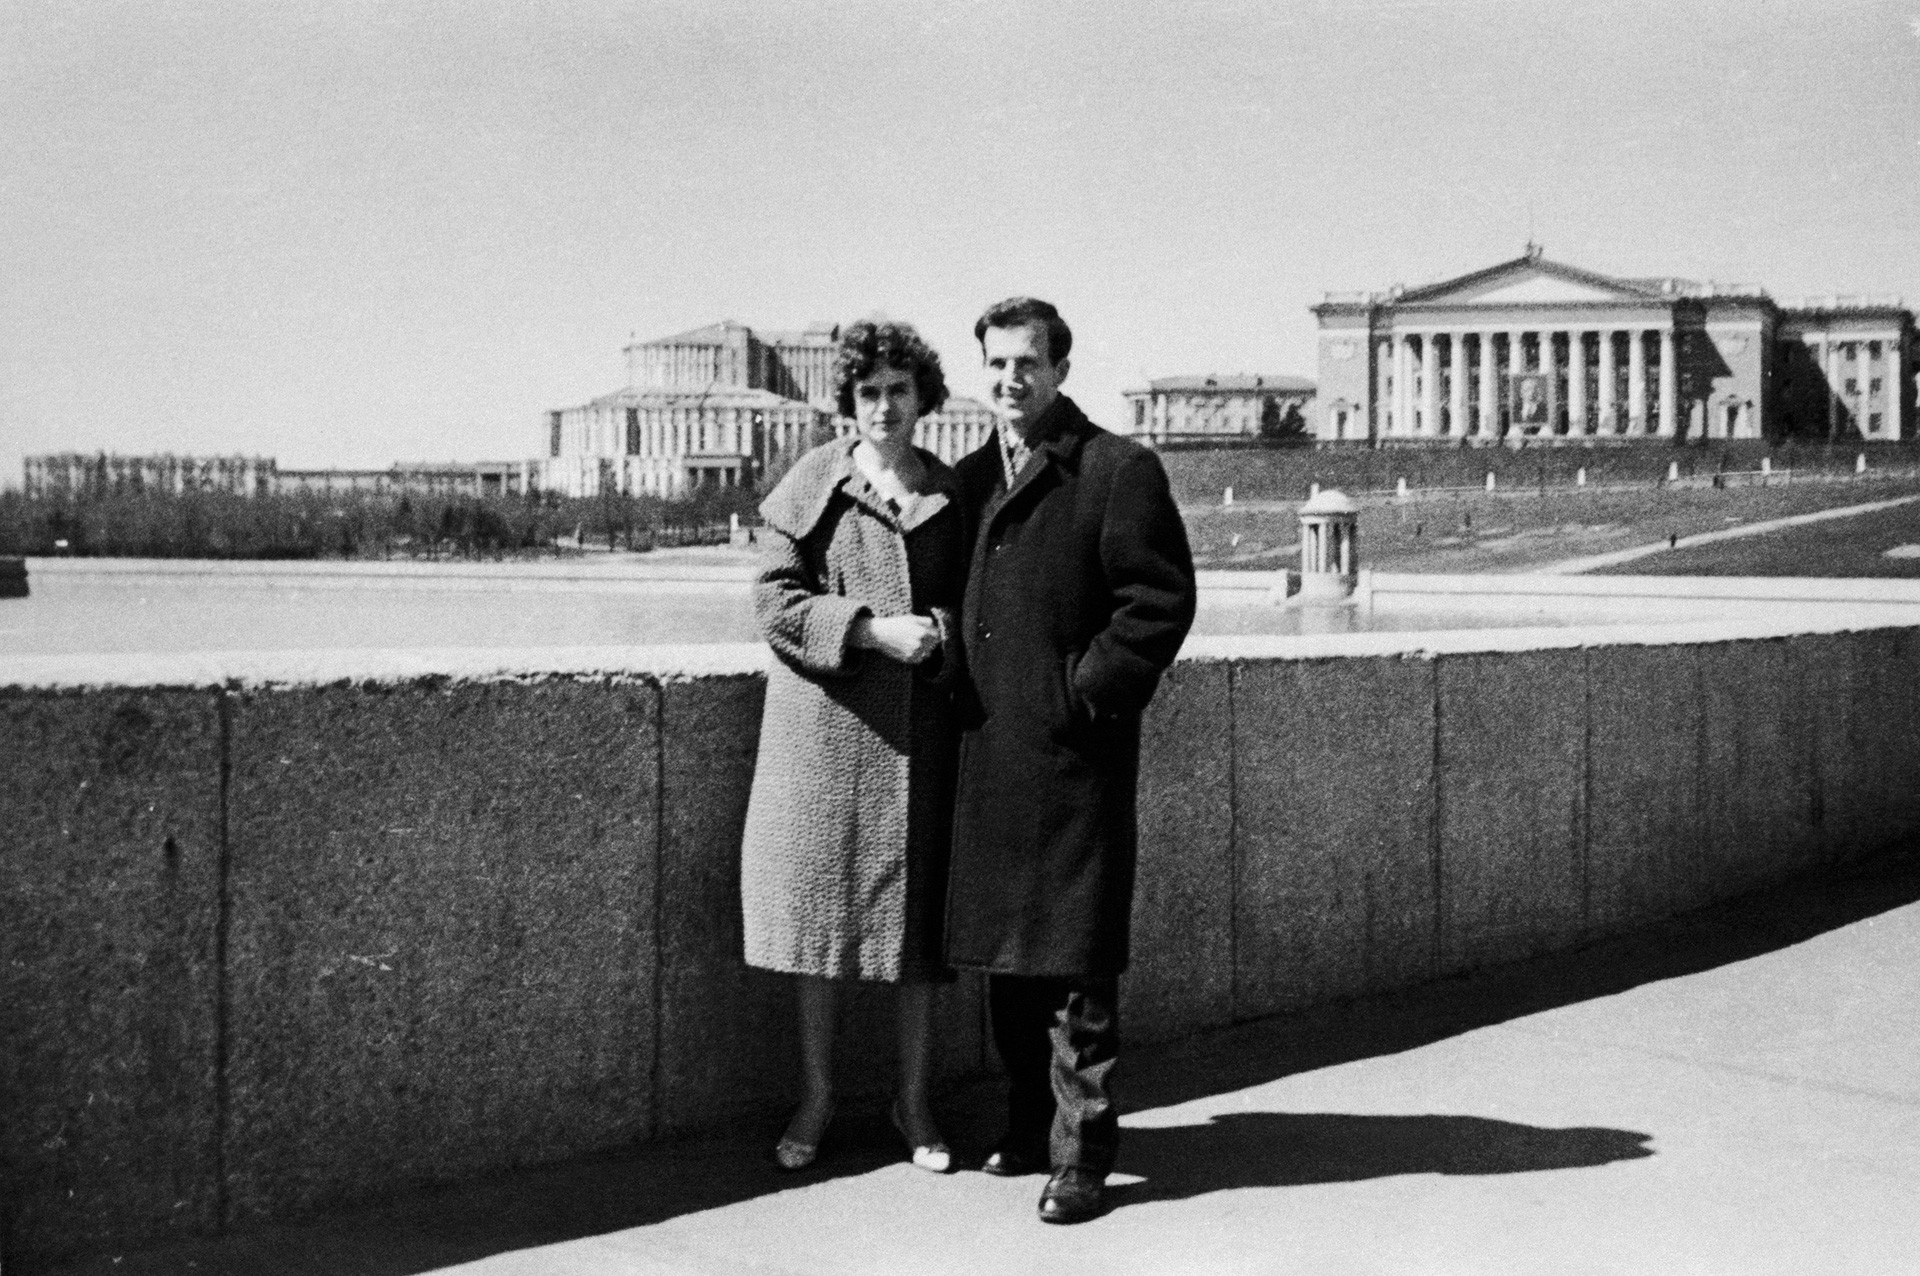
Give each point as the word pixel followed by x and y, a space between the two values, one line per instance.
pixel 1545 288
pixel 1529 280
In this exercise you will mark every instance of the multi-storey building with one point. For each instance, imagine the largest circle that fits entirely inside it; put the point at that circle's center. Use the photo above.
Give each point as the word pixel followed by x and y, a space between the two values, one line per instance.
pixel 719 407
pixel 1534 351
pixel 1212 410
pixel 793 365
pixel 76 474
pixel 665 442
pixel 419 478
pixel 960 426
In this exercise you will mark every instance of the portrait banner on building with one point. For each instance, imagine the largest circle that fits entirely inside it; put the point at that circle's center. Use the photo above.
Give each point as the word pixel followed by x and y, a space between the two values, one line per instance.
pixel 1530 404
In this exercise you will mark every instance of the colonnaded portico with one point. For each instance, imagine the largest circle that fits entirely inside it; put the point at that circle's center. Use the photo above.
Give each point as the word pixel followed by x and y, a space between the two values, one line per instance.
pixel 1537 350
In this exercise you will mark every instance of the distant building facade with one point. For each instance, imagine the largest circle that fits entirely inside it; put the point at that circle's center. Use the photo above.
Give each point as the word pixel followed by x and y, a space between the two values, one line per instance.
pixel 1535 351
pixel 960 426
pixel 74 474
pixel 81 474
pixel 419 478
pixel 730 355
pixel 720 406
pixel 1172 411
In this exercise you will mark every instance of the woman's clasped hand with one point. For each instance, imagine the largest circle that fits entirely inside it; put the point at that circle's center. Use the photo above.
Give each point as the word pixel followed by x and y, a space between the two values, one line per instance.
pixel 908 639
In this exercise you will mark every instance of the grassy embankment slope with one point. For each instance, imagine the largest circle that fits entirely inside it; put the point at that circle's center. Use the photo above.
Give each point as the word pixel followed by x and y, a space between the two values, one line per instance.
pixel 1522 528
pixel 1854 546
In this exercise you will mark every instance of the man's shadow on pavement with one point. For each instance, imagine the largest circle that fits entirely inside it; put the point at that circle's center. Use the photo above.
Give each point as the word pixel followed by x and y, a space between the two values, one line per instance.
pixel 1287 1149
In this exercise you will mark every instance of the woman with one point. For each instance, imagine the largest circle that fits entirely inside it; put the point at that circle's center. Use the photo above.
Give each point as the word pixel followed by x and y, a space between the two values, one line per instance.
pixel 844 860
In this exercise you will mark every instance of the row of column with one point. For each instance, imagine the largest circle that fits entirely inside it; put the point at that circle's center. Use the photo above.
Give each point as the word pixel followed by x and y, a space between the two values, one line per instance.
pixel 951 438
pixel 947 437
pixel 1409 416
pixel 675 367
pixel 672 433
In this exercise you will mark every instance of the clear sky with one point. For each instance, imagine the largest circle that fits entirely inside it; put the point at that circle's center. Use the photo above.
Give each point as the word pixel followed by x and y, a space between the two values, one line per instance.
pixel 351 232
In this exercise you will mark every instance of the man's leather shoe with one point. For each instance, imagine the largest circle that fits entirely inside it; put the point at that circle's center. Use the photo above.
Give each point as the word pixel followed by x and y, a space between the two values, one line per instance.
pixel 1011 1160
pixel 1073 1195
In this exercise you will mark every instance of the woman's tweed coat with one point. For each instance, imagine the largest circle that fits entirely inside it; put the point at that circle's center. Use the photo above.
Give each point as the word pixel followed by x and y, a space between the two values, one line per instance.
pixel 844 858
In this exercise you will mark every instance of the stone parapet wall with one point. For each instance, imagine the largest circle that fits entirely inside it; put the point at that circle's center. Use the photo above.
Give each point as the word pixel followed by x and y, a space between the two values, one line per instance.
pixel 287 931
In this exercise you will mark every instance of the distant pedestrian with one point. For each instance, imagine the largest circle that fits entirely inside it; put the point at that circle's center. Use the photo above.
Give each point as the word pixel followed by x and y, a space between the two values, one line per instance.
pixel 844 859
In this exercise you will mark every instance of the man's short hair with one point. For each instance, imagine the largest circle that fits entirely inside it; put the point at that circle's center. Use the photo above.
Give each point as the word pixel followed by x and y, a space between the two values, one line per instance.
pixel 866 346
pixel 1017 312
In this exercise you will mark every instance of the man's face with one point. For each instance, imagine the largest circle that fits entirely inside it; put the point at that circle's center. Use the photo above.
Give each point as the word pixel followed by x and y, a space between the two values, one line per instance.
pixel 1021 374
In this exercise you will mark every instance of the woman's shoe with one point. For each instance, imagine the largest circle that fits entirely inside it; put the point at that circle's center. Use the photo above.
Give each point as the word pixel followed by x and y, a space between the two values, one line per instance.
pixel 934 1157
pixel 792 1154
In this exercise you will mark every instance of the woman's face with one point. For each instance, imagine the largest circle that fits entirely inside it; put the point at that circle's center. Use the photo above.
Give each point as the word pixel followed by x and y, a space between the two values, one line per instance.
pixel 886 405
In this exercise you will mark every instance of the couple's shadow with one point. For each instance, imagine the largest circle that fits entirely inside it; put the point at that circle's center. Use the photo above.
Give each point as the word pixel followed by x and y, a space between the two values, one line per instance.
pixel 1281 1149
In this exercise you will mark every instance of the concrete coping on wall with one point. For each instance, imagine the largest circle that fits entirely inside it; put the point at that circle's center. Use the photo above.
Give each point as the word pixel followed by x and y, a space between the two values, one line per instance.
pixel 267 670
pixel 1461 642
pixel 706 565
pixel 1799 589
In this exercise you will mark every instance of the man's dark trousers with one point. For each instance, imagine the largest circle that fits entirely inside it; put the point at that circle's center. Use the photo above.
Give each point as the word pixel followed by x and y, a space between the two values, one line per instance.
pixel 1059 1038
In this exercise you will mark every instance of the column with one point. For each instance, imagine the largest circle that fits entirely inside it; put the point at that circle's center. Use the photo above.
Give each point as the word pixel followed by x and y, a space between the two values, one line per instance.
pixel 1489 416
pixel 1516 358
pixel 1830 358
pixel 1866 387
pixel 1546 370
pixel 1392 380
pixel 1430 384
pixel 1381 406
pixel 1576 381
pixel 1457 391
pixel 1402 384
pixel 1605 398
pixel 1669 381
pixel 1636 381
pixel 1896 389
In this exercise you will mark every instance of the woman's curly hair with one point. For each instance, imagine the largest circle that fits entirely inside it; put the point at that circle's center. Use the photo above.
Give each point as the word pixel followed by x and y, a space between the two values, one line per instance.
pixel 866 346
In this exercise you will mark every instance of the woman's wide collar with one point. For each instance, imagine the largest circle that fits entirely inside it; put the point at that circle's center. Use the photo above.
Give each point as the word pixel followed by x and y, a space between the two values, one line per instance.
pixel 800 500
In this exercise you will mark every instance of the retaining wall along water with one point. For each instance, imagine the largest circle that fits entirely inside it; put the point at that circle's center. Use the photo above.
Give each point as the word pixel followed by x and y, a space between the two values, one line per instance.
pixel 285 931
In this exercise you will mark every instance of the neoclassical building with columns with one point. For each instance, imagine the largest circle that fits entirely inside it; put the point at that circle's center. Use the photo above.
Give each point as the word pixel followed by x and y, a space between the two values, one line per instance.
pixel 1213 409
pixel 720 406
pixel 1533 351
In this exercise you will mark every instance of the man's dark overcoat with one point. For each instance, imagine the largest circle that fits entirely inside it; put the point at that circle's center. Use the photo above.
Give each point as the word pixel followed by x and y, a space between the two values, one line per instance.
pixel 1079 594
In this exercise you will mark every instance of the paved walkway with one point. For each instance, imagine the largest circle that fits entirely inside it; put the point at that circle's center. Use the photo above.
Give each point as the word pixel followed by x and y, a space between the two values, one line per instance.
pixel 1734 1092
pixel 1575 566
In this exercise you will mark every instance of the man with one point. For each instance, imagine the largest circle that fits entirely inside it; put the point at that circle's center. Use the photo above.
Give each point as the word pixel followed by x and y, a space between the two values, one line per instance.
pixel 1079 593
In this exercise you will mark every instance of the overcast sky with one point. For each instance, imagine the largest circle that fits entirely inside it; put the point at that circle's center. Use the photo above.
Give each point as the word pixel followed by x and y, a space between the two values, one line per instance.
pixel 348 233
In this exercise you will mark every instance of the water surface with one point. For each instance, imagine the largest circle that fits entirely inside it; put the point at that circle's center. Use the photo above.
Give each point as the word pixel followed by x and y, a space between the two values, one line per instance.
pixel 268 609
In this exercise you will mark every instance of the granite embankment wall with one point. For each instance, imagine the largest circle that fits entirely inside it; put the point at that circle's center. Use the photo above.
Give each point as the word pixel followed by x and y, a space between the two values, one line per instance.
pixel 281 932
